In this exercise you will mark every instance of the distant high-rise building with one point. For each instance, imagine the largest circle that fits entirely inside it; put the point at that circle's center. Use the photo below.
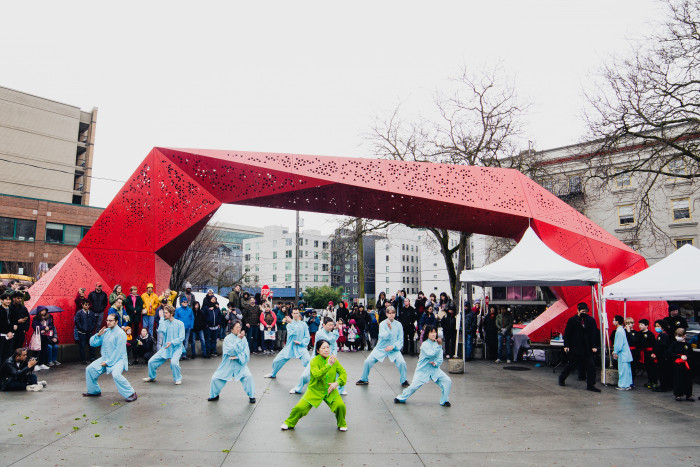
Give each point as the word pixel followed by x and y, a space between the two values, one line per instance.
pixel 344 265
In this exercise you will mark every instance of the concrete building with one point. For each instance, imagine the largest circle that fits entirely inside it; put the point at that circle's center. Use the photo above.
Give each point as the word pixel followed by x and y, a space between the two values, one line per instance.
pixel 227 258
pixel 270 259
pixel 344 266
pixel 36 234
pixel 46 148
pixel 397 261
pixel 654 229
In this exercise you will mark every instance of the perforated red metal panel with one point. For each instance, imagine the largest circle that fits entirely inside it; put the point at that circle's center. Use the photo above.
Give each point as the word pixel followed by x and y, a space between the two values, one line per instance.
pixel 174 192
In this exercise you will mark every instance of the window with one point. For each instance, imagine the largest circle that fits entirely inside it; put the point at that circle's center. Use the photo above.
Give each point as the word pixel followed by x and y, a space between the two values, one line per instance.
pixel 257 256
pixel 315 266
pixel 324 267
pixel 315 254
pixel 306 253
pixel 625 214
pixel 315 245
pixel 306 241
pixel 287 277
pixel 325 245
pixel 354 279
pixel 347 278
pixel 287 242
pixel 324 256
pixel 411 247
pixel 274 255
pixel 354 267
pixel 288 266
pixel 274 266
pixel 681 209
pixel 60 233
pixel 274 278
pixel 257 245
pixel 623 179
pixel 387 269
pixel 17 229
pixel 274 243
pixel 247 257
pixel 575 185
pixel 683 241
pixel 354 290
pixel 387 281
pixel 434 276
pixel 677 167
pixel 347 267
pixel 403 247
pixel 387 257
pixel 548 185
pixel 306 277
pixel 288 254
pixel 315 277
pixel 387 290
pixel 257 268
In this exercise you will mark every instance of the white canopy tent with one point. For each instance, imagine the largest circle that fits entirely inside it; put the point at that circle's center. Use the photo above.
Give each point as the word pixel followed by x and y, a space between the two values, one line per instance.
pixel 532 263
pixel 676 277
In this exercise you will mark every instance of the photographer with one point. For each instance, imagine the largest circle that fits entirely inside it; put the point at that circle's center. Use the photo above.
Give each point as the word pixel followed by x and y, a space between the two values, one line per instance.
pixel 16 374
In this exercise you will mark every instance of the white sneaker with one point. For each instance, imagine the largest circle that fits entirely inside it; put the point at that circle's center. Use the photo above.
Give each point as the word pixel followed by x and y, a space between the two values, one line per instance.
pixel 498 360
pixel 344 393
pixel 43 383
pixel 270 375
pixel 343 428
pixel 284 427
pixel 56 363
pixel 148 380
pixel 508 361
pixel 293 391
pixel 177 383
pixel 35 387
pixel 38 367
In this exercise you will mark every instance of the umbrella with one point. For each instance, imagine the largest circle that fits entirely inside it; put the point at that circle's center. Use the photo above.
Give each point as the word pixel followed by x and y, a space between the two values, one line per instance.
pixel 50 309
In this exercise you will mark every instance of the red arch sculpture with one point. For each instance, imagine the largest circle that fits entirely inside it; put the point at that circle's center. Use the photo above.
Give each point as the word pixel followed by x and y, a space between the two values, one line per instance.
pixel 174 192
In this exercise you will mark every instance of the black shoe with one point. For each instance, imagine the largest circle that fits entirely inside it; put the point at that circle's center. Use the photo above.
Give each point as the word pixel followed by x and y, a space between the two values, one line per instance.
pixel 561 381
pixel 212 399
pixel 135 362
pixel 84 362
pixel 251 400
pixel 593 389
pixel 405 384
pixel 184 358
pixel 447 404
pixel 87 394
pixel 132 398
pixel 397 401
pixel 361 383
pixel 581 379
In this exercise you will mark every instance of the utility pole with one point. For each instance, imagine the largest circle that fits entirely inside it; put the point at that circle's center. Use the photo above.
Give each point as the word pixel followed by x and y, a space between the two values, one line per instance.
pixel 296 264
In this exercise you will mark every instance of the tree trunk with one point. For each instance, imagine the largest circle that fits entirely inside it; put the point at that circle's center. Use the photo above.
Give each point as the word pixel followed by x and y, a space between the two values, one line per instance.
pixel 360 258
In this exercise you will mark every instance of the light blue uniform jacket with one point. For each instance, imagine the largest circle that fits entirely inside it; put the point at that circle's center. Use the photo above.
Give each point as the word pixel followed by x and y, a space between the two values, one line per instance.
pixel 113 351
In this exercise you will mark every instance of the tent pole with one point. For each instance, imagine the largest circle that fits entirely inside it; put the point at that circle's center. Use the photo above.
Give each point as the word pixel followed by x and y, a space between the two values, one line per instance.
pixel 458 321
pixel 624 309
pixel 464 325
pixel 602 327
pixel 484 311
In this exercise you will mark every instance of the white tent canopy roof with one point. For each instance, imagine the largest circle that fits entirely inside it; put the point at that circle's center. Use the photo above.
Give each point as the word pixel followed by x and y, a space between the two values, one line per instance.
pixel 676 277
pixel 531 263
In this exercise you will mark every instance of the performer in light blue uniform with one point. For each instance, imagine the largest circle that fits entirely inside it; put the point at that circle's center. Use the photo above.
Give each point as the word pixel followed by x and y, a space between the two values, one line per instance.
pixel 297 339
pixel 113 360
pixel 429 368
pixel 234 365
pixel 328 333
pixel 623 354
pixel 389 345
pixel 173 337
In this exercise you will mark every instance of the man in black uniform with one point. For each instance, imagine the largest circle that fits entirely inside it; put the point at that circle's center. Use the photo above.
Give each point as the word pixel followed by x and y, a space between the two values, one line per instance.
pixel 408 321
pixel 19 318
pixel 647 357
pixel 581 343
pixel 674 321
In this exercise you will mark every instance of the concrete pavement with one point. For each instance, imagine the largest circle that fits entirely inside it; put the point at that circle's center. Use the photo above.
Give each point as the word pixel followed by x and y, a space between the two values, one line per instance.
pixel 498 417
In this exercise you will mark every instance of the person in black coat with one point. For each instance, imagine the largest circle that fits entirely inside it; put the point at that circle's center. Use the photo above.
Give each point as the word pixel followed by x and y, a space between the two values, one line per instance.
pixel 491 333
pixel 678 354
pixel 342 313
pixel 99 300
pixel 582 344
pixel 664 369
pixel 19 318
pixel 200 322
pixel 381 305
pixel 408 321
pixel 361 318
pixel 674 321
pixel 17 372
pixel 647 356
pixel 6 328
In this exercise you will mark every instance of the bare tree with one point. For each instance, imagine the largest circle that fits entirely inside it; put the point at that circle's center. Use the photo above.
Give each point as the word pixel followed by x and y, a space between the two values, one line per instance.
pixel 195 264
pixel 478 124
pixel 647 104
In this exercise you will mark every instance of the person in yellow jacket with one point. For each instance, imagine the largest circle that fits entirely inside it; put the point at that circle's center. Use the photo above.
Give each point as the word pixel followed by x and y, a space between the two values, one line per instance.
pixel 323 387
pixel 151 302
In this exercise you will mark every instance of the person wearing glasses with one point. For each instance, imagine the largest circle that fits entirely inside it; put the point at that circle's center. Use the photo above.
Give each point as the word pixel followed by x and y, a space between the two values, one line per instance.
pixel 114 361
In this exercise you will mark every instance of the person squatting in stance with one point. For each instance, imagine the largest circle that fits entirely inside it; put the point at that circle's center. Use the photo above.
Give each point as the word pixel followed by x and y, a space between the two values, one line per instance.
pixel 234 365
pixel 113 361
pixel 297 339
pixel 389 345
pixel 428 368
pixel 323 387
pixel 623 355
pixel 328 333
pixel 173 331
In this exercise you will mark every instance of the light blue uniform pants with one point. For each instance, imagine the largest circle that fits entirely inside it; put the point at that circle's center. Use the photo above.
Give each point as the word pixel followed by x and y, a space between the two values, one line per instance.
pixel 624 374
pixel 443 381
pixel 371 361
pixel 218 384
pixel 159 358
pixel 279 362
pixel 95 369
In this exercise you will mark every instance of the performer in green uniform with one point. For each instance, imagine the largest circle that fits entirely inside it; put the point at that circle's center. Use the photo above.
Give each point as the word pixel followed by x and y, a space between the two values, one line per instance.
pixel 322 387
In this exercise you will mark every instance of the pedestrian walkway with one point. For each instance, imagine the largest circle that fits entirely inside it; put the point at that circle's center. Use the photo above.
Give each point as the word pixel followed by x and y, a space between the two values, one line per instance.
pixel 498 417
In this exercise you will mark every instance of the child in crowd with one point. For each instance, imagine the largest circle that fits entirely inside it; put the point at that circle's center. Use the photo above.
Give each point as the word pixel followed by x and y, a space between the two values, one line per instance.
pixel 679 354
pixel 144 347
pixel 342 335
pixel 352 338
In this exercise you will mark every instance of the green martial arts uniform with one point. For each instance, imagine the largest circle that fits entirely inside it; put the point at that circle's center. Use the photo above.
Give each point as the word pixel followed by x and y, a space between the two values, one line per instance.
pixel 322 374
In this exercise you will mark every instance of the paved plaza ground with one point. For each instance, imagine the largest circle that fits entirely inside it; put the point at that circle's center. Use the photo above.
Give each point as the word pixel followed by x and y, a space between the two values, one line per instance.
pixel 498 417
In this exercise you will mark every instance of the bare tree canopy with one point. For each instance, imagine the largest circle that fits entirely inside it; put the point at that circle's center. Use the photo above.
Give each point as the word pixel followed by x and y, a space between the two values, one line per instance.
pixel 652 98
pixel 478 124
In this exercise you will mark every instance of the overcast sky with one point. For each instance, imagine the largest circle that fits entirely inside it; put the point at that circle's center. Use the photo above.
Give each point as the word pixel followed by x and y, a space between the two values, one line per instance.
pixel 299 77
